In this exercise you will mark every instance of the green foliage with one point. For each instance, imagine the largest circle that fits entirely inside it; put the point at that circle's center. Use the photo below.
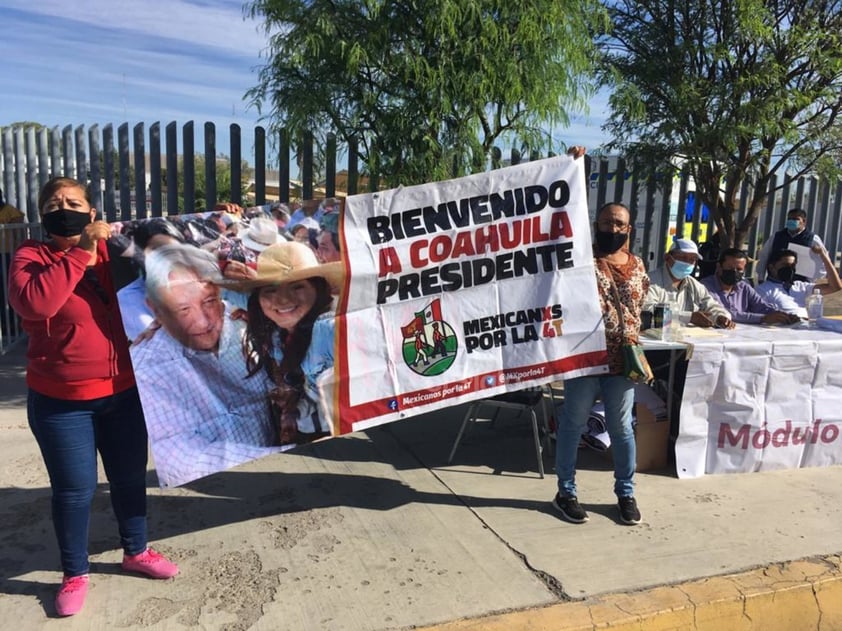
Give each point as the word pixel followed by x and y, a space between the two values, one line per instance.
pixel 223 182
pixel 24 124
pixel 735 90
pixel 115 174
pixel 426 87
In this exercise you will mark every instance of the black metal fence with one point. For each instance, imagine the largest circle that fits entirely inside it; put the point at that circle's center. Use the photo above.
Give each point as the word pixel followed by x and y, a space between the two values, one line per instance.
pixel 131 165
pixel 140 164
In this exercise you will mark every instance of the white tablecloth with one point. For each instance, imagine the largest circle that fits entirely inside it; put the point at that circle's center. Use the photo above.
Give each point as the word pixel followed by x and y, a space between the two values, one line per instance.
pixel 760 398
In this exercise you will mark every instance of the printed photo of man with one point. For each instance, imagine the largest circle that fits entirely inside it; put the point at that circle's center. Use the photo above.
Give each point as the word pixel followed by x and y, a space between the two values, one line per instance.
pixel 202 412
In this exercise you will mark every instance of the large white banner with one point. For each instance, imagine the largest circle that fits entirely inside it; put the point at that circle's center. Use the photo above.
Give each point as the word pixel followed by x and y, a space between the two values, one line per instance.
pixel 464 289
pixel 445 293
pixel 757 399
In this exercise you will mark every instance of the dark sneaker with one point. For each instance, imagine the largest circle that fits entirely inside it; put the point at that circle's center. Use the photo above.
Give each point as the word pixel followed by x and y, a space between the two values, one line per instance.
pixel 629 513
pixel 570 509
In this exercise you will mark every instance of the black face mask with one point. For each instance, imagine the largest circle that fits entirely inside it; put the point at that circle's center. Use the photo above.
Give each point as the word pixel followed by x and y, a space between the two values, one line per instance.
pixel 610 242
pixel 786 274
pixel 730 277
pixel 65 223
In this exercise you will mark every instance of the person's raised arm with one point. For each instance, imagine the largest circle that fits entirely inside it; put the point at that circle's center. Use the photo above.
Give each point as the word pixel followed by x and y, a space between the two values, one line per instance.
pixel 834 283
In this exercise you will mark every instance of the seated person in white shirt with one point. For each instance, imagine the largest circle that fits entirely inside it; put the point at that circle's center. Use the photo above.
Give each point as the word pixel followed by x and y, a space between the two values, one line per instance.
pixel 674 284
pixel 203 413
pixel 744 304
pixel 781 290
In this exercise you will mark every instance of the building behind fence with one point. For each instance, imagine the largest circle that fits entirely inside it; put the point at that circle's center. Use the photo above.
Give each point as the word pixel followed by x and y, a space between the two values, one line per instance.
pixel 131 164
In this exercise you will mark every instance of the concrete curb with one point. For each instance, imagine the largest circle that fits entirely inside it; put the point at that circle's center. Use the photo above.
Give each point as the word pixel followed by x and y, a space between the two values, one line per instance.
pixel 805 594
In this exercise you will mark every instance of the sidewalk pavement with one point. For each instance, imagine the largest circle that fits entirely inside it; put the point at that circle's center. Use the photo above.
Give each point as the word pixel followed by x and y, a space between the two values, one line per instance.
pixel 375 531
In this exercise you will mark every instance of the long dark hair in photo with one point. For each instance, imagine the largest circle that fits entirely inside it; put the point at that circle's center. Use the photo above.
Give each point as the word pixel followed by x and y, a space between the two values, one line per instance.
pixel 260 332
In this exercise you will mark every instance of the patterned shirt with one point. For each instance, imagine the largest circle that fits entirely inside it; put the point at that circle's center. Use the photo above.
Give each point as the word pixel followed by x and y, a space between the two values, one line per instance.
pixel 202 413
pixel 632 285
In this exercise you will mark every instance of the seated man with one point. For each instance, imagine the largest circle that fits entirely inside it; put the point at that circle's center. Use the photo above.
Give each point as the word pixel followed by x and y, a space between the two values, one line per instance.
pixel 673 284
pixel 727 286
pixel 781 290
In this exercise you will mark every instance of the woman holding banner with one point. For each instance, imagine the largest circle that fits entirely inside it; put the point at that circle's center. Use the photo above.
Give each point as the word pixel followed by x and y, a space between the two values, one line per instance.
pixel 82 395
pixel 290 334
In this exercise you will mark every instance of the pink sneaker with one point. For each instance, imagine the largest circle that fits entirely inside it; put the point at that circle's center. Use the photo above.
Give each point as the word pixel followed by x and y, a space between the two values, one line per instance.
pixel 71 595
pixel 151 564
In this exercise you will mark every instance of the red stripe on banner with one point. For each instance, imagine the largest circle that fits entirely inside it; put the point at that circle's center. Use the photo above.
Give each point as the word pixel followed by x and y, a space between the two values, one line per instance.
pixel 406 401
pixel 341 343
pixel 342 303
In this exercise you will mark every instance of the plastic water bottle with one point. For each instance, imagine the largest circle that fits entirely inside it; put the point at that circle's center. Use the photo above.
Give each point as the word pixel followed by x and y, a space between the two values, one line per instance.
pixel 814 307
pixel 675 326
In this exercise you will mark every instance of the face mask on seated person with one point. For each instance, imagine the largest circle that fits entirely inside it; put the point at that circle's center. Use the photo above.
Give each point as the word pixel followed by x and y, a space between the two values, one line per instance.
pixel 680 269
pixel 65 223
pixel 786 274
pixel 730 277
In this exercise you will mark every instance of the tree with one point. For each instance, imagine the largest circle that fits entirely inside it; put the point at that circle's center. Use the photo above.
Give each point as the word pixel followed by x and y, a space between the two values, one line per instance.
pixel 223 182
pixel 735 90
pixel 426 87
pixel 115 174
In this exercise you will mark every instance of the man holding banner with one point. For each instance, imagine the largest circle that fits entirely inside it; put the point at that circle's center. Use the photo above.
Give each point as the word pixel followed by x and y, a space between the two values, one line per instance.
pixel 466 289
pixel 622 285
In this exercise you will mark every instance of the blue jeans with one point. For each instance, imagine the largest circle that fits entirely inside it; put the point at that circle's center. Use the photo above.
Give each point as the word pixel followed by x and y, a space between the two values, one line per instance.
pixel 69 434
pixel 579 396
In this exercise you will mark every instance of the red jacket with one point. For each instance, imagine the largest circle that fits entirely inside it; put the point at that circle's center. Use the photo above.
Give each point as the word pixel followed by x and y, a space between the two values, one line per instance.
pixel 77 345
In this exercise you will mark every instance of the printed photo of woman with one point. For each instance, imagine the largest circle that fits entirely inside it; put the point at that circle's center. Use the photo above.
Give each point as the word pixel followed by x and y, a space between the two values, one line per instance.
pixel 290 335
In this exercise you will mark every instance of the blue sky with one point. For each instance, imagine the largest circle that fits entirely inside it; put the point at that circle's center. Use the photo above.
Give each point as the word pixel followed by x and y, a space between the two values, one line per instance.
pixel 116 61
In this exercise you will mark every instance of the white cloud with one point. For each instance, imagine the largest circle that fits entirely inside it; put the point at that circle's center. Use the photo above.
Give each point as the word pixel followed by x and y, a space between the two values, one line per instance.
pixel 65 62
pixel 110 61
pixel 218 24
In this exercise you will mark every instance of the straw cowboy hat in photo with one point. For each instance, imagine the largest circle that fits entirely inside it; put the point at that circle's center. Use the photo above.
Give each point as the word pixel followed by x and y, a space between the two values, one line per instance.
pixel 287 262
pixel 262 232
